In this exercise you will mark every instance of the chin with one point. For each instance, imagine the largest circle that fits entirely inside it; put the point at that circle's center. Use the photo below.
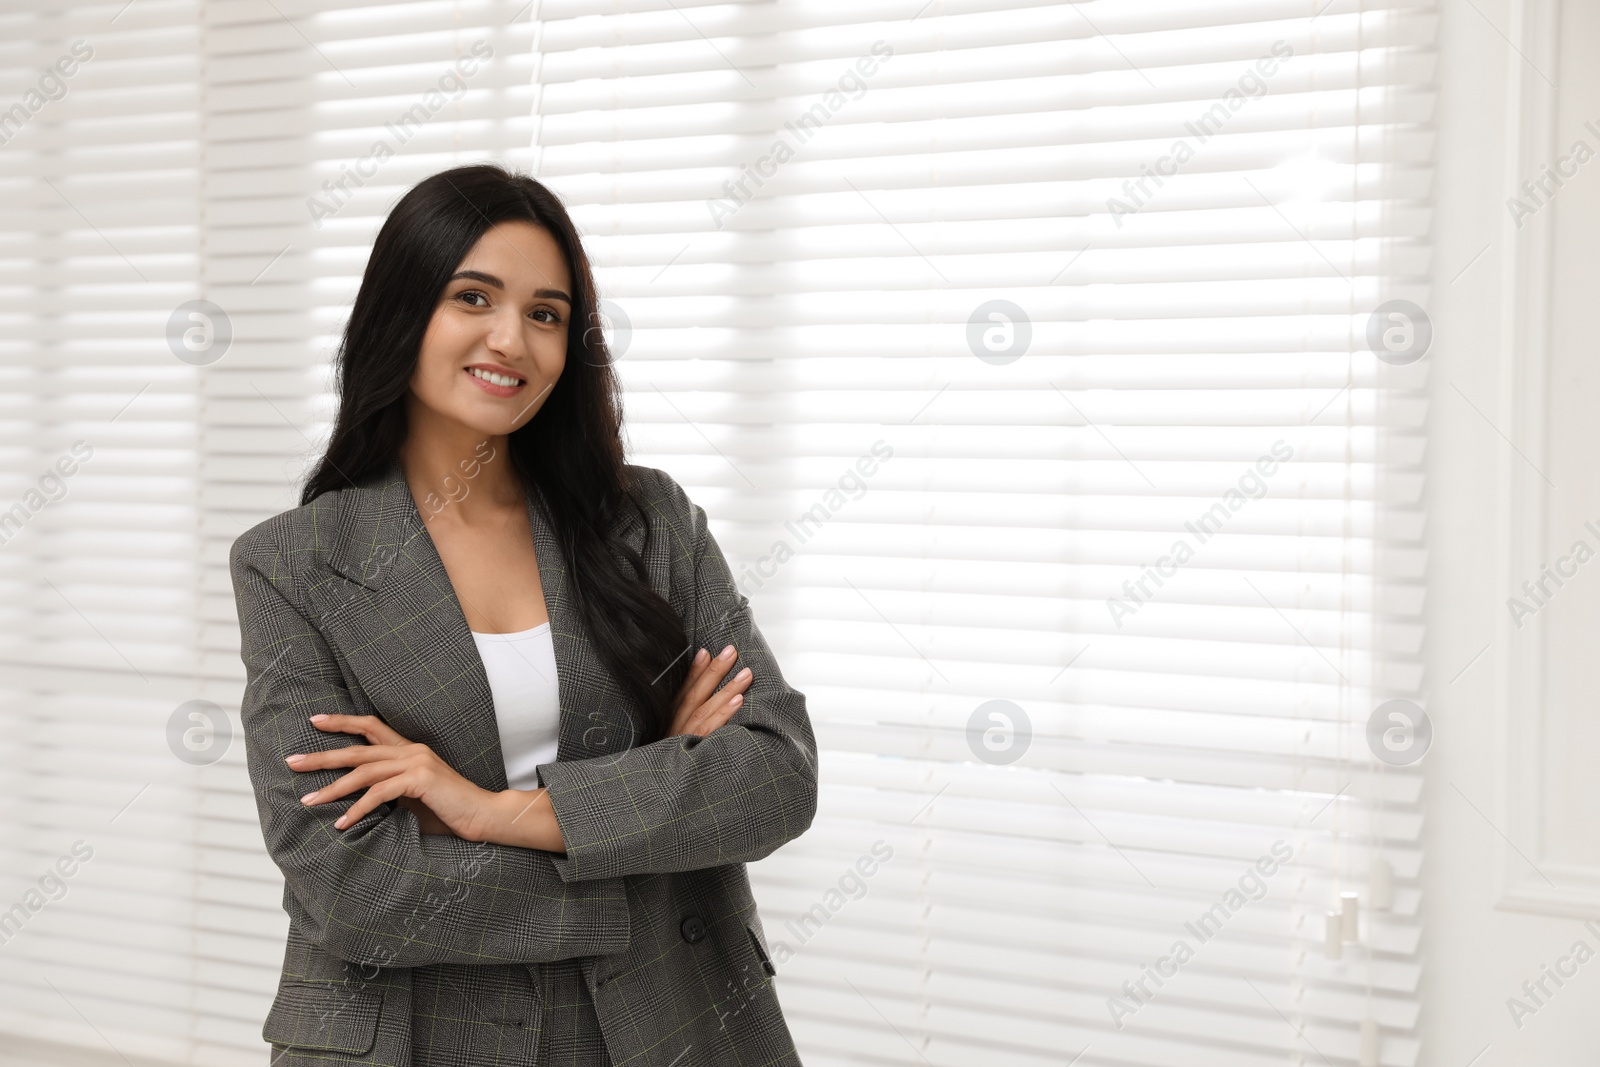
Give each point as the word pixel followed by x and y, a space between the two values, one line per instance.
pixel 490 421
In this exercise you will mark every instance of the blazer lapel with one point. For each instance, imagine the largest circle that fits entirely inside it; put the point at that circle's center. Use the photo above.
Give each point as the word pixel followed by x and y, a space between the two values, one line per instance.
pixel 396 617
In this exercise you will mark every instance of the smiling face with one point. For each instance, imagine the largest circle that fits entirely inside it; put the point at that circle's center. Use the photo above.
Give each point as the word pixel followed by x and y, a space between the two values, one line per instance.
pixel 497 340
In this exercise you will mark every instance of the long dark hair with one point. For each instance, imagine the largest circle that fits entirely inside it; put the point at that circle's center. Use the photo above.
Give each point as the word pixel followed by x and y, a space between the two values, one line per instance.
pixel 570 453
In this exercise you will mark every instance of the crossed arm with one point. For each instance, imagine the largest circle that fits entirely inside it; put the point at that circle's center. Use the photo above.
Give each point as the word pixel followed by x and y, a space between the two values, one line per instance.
pixel 378 891
pixel 687 803
pixel 389 767
pixel 371 886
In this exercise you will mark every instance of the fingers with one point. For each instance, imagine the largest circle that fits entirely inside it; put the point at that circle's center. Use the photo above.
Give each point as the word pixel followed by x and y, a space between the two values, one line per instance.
pixel 704 674
pixel 349 756
pixel 360 778
pixel 721 707
pixel 697 663
pixel 381 793
pixel 371 727
pixel 701 707
pixel 385 743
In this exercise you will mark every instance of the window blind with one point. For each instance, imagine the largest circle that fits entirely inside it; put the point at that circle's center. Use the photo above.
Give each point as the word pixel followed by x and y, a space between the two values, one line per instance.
pixel 953 319
pixel 956 320
pixel 100 536
pixel 240 155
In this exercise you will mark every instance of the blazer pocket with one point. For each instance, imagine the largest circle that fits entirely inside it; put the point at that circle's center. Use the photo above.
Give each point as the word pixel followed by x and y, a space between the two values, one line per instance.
pixel 323 1015
pixel 766 964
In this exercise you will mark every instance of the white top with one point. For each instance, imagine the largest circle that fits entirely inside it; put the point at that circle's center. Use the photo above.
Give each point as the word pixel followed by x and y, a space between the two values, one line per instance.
pixel 527 700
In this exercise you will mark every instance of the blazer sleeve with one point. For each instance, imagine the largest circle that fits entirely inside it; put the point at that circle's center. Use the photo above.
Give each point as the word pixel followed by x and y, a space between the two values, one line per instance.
pixel 380 891
pixel 687 802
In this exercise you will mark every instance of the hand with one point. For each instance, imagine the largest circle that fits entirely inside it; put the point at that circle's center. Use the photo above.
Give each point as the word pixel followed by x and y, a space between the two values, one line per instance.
pixel 426 819
pixel 391 768
pixel 701 706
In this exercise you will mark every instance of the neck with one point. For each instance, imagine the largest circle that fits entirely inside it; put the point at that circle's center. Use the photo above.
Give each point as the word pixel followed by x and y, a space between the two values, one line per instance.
pixel 456 473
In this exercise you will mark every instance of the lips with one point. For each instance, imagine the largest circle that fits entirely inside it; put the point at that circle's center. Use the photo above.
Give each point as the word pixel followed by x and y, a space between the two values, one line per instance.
pixel 494 380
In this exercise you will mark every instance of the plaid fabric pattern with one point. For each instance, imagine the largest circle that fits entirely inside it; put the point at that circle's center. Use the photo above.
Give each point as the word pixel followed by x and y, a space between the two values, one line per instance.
pixel 641 946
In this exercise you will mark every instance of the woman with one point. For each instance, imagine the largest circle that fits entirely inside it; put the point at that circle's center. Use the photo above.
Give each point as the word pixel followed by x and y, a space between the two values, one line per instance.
pixel 483 720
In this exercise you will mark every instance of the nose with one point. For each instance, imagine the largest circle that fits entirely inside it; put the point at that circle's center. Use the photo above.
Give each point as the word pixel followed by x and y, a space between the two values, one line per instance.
pixel 504 336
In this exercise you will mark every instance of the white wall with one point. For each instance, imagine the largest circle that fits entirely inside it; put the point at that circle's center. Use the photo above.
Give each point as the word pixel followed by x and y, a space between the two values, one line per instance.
pixel 1515 731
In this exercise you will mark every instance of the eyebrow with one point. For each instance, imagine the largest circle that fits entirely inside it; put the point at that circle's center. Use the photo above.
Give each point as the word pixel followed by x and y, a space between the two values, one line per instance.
pixel 490 279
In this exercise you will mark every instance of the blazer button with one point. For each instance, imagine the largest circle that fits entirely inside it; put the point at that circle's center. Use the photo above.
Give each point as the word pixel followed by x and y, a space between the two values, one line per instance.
pixel 693 929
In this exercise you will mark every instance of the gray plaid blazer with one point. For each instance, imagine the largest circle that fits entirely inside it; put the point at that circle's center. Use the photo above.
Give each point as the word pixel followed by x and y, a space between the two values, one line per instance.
pixel 641 946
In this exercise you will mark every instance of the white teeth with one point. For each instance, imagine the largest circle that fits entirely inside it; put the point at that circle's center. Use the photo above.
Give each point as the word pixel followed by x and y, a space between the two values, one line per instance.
pixel 492 378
